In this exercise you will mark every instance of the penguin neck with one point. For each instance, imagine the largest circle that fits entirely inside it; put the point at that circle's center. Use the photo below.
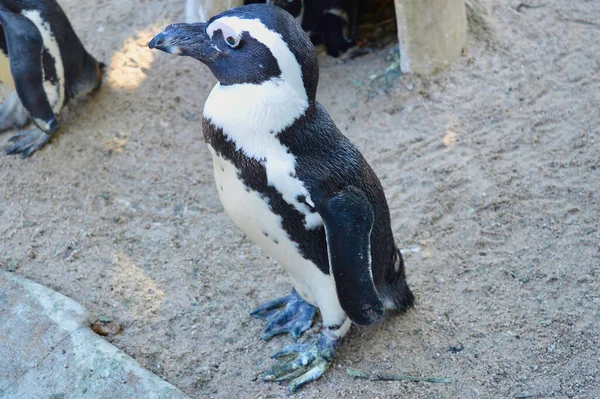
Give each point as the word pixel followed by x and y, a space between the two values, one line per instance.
pixel 251 115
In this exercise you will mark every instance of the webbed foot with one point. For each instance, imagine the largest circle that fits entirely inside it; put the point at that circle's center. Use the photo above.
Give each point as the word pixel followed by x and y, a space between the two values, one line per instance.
pixel 290 314
pixel 302 363
pixel 26 142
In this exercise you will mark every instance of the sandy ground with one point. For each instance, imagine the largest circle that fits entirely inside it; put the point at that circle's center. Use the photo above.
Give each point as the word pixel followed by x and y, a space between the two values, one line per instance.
pixel 491 169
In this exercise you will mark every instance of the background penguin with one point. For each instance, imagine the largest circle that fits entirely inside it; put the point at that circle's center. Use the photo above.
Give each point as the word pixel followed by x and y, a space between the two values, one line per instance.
pixel 328 22
pixel 292 182
pixel 42 58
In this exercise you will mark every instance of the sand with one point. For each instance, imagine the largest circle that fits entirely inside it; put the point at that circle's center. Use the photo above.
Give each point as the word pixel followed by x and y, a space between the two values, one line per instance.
pixel 492 173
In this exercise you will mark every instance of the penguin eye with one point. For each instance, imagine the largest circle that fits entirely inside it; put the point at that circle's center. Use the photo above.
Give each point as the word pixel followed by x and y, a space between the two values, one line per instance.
pixel 232 41
pixel 230 35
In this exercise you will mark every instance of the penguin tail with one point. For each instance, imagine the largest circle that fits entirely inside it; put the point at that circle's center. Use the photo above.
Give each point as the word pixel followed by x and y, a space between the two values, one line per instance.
pixel 395 293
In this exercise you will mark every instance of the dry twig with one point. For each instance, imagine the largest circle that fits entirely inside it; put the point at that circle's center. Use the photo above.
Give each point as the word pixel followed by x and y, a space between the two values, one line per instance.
pixel 376 376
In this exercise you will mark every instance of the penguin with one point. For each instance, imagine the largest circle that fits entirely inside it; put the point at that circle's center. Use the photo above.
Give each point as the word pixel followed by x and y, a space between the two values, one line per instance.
pixel 293 183
pixel 42 58
pixel 336 24
pixel 328 22
pixel 294 7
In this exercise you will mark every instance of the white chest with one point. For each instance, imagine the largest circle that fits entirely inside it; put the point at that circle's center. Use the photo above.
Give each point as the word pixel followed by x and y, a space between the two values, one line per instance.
pixel 246 207
pixel 250 116
pixel 252 214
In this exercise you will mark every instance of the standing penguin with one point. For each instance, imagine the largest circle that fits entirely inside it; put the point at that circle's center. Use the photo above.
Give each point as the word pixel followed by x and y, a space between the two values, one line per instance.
pixel 43 59
pixel 292 182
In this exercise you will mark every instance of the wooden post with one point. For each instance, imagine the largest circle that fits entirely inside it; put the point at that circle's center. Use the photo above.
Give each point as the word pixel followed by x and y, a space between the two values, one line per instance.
pixel 432 33
pixel 203 10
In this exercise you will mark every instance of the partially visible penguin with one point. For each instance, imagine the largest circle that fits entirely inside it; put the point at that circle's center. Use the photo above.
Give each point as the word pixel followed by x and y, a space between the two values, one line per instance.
pixel 293 182
pixel 328 22
pixel 294 7
pixel 43 59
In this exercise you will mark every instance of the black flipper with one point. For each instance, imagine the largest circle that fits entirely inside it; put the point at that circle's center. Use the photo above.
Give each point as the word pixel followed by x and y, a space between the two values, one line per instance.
pixel 25 45
pixel 348 219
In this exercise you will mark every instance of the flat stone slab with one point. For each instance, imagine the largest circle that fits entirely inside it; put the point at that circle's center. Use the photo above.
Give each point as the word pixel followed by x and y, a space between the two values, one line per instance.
pixel 47 350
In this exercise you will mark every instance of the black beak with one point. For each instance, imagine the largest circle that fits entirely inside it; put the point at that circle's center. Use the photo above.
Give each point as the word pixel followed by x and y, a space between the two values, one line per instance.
pixel 184 39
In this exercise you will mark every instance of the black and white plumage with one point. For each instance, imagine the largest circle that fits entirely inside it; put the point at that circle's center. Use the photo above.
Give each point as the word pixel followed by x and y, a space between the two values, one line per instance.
pixel 292 182
pixel 43 59
pixel 328 22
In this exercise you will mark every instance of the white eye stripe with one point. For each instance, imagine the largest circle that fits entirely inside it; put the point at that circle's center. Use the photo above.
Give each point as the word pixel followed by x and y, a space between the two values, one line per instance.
pixel 231 36
pixel 227 30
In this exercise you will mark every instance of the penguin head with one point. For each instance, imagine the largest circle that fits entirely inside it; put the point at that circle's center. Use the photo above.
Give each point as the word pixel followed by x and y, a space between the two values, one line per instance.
pixel 250 44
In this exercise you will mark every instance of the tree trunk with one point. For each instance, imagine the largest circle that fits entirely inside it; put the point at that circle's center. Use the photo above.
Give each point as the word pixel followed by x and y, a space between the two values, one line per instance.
pixel 432 33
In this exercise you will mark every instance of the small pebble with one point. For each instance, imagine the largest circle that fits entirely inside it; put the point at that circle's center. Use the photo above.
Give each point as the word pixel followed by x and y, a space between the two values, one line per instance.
pixel 12 265
pixel 105 328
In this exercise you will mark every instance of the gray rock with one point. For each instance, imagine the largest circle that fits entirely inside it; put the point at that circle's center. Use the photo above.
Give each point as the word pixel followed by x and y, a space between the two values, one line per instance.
pixel 47 350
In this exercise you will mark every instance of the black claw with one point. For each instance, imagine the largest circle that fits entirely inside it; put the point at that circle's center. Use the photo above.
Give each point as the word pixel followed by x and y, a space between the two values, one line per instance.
pixel 10 150
pixel 269 333
pixel 28 152
pixel 265 310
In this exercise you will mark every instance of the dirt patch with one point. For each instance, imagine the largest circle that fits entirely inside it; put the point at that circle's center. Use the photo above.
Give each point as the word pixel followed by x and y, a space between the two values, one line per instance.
pixel 491 169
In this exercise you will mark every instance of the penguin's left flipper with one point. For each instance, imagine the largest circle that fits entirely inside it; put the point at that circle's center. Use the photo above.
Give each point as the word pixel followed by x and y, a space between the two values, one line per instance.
pixel 25 46
pixel 348 219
